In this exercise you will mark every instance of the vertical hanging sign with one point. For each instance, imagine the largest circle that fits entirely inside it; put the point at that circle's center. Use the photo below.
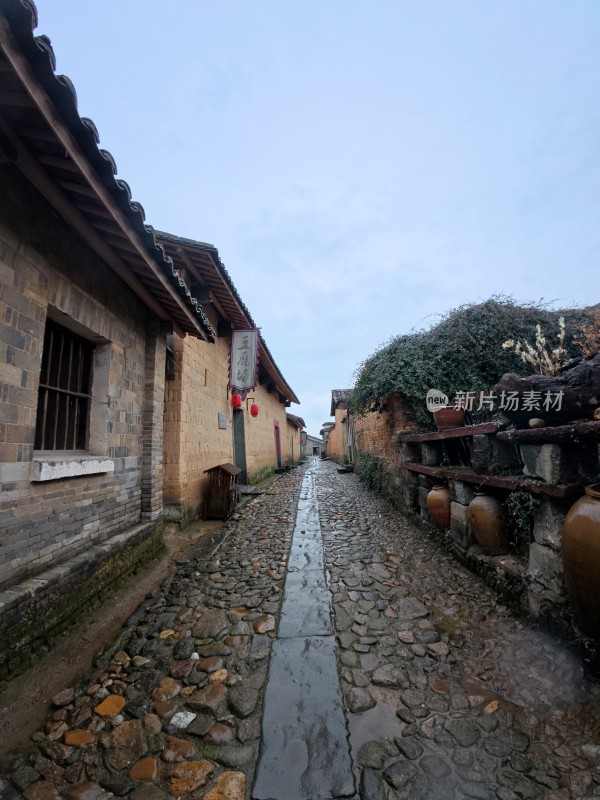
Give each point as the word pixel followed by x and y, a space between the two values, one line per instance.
pixel 243 360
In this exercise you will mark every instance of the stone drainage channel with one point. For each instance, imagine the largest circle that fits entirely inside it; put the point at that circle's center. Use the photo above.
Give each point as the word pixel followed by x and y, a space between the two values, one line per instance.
pixel 305 751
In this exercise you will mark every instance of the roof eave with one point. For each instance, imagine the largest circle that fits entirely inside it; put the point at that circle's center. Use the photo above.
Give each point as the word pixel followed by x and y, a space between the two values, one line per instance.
pixel 267 360
pixel 156 283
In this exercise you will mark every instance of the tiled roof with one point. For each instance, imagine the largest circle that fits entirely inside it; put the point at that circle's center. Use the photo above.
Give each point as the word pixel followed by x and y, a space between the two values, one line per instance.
pixel 59 153
pixel 340 396
pixel 297 421
pixel 204 261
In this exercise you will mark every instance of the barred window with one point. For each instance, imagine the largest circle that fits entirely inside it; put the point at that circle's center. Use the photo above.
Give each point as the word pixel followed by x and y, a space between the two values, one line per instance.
pixel 64 399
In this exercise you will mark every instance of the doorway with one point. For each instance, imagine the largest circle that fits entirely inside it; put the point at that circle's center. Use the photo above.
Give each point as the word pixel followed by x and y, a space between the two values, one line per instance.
pixel 278 445
pixel 239 444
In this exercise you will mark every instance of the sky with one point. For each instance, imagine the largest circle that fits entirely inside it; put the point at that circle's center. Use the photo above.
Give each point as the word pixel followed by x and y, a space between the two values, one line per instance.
pixel 362 168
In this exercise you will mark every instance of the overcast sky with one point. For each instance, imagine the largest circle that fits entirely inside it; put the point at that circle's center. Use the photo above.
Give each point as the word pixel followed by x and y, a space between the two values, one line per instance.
pixel 361 167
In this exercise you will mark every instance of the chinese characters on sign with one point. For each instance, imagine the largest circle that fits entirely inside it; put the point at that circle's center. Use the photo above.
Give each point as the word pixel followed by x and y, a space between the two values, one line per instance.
pixel 244 360
pixel 509 401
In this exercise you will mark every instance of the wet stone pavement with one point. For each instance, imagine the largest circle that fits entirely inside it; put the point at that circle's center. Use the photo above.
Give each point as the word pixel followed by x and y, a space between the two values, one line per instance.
pixel 445 694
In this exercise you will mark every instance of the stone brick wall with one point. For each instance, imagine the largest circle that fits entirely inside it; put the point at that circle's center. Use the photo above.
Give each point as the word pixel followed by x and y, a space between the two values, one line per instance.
pixel 529 575
pixel 153 422
pixel 45 270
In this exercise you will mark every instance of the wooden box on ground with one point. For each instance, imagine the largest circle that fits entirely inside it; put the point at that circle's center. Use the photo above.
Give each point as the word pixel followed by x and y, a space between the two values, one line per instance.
pixel 222 493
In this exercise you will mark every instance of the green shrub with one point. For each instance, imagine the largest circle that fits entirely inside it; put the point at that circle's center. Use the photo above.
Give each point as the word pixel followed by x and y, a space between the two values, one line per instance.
pixel 521 507
pixel 371 472
pixel 462 352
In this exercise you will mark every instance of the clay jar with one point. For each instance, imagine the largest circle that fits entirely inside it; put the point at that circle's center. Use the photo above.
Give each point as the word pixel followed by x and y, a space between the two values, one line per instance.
pixel 439 502
pixel 488 520
pixel 449 417
pixel 581 558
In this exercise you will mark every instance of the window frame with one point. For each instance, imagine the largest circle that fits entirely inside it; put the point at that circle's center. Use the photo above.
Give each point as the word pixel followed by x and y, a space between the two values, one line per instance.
pixel 90 459
pixel 65 391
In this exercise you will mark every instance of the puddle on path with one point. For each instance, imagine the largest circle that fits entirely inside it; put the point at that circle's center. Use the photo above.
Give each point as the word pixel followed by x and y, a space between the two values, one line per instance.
pixel 379 722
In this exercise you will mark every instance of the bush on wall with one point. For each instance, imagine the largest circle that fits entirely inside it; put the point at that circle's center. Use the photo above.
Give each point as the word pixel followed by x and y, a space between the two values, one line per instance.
pixel 371 472
pixel 462 352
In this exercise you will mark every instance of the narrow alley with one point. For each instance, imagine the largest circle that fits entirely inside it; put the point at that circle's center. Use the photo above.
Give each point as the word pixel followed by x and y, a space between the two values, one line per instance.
pixel 223 683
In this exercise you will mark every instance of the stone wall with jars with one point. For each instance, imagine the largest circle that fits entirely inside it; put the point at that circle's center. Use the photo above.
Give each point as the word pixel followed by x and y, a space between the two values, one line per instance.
pixel 498 496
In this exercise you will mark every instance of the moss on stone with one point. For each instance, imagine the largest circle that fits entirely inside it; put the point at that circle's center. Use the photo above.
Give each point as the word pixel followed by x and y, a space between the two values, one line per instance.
pixel 43 624
pixel 261 475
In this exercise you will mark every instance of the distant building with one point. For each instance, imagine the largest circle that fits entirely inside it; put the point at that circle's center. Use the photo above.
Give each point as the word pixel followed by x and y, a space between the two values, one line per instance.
pixel 313 445
pixel 325 431
pixel 340 446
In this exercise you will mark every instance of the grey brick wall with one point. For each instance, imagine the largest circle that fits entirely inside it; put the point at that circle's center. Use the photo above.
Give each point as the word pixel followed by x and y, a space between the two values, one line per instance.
pixel 46 269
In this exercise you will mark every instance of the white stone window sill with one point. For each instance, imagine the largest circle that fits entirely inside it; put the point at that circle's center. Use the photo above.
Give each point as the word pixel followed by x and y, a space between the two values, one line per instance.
pixel 56 465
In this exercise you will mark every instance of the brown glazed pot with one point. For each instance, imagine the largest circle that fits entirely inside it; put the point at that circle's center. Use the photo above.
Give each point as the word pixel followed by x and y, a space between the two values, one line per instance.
pixel 488 520
pixel 439 502
pixel 449 417
pixel 581 558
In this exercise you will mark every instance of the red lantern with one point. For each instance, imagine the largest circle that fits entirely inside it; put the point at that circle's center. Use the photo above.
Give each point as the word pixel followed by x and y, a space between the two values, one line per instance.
pixel 236 400
pixel 254 410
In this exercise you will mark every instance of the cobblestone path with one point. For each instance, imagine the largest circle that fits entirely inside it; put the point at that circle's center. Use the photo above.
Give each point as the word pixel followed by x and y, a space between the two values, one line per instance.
pixel 174 709
pixel 304 751
pixel 446 695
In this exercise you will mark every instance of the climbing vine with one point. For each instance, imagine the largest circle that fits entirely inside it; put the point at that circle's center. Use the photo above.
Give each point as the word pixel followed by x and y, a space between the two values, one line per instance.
pixel 462 352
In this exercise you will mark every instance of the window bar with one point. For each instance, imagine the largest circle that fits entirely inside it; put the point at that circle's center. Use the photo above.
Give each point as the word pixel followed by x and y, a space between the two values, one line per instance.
pixel 57 405
pixel 44 400
pixel 78 401
pixel 46 376
pixel 65 436
pixel 54 429
pixel 74 440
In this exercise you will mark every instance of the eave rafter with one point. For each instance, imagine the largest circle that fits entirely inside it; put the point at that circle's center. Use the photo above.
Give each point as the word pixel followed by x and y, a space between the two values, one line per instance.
pixel 200 280
pixel 203 261
pixel 50 157
pixel 36 175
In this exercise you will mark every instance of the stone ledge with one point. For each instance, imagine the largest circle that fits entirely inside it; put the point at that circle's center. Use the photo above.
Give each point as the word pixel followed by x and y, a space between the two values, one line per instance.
pixel 36 613
pixel 58 466
pixel 451 433
pixel 37 589
pixel 510 482
pixel 561 434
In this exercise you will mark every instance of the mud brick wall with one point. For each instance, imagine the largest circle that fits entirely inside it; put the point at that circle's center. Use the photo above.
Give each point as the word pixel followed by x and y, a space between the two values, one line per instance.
pixel 335 444
pixel 260 433
pixel 292 440
pixel 46 270
pixel 193 440
pixel 377 433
